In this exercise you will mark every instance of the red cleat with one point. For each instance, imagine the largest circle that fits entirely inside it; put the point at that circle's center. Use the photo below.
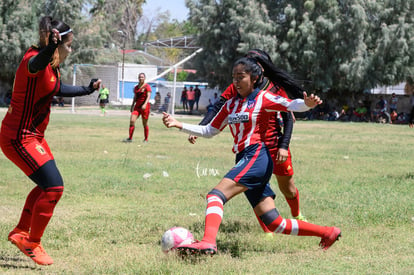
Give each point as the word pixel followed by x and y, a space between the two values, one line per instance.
pixel 198 248
pixel 34 251
pixel 16 235
pixel 330 237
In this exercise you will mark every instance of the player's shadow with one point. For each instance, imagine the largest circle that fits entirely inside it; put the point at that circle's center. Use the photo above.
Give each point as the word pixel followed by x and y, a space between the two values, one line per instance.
pixel 232 244
pixel 16 262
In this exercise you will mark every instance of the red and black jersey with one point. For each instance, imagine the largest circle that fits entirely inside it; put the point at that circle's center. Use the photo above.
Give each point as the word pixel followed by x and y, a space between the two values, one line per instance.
pixel 141 93
pixel 29 110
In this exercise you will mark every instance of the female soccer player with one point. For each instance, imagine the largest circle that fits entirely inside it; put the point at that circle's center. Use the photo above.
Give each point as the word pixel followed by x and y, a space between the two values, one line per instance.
pixel 275 81
pixel 247 116
pixel 22 139
pixel 140 106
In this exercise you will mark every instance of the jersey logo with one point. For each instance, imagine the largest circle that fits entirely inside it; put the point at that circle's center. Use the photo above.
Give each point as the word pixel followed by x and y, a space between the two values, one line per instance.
pixel 40 149
pixel 238 118
pixel 289 168
pixel 53 79
pixel 251 103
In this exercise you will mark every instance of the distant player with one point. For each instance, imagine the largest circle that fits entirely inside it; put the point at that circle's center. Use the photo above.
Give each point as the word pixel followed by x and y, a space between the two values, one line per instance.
pixel 103 98
pixel 140 107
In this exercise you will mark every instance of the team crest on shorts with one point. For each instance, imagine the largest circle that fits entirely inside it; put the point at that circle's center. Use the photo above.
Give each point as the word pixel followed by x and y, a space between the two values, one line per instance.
pixel 40 149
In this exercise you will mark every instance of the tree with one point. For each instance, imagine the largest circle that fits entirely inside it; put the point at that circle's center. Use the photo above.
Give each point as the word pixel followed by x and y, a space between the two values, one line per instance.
pixel 224 33
pixel 330 45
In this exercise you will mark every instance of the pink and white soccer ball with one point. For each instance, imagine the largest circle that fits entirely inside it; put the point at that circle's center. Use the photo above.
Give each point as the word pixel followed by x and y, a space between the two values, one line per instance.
pixel 174 237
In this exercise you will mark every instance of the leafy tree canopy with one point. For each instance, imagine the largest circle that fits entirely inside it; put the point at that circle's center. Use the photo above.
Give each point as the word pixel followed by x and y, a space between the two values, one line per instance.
pixel 340 46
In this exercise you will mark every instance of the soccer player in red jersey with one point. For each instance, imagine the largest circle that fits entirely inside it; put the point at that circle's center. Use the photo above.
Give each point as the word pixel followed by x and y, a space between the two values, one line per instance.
pixel 22 139
pixel 247 117
pixel 140 106
pixel 277 141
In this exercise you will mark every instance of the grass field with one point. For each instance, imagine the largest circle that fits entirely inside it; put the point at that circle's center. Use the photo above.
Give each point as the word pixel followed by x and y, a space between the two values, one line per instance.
pixel 119 199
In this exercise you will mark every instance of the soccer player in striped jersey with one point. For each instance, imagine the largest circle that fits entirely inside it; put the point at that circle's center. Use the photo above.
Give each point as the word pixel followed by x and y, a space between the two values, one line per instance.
pixel 22 139
pixel 247 117
pixel 277 141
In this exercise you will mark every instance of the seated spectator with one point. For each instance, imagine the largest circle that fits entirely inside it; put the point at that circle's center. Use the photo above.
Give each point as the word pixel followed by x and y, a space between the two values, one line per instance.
pixel 401 118
pixel 346 113
pixel 166 105
pixel 210 106
pixel 333 116
pixel 375 113
pixel 360 113
pixel 393 116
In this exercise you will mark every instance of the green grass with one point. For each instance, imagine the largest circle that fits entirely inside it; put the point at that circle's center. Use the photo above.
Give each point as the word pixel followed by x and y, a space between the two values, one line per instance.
pixel 356 176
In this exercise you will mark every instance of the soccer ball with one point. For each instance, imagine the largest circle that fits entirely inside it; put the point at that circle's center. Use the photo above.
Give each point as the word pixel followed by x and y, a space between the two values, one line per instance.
pixel 174 237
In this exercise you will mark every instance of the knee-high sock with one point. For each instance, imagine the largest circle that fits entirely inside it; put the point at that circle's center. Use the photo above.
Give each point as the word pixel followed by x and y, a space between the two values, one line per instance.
pixel 131 131
pixel 262 225
pixel 278 224
pixel 214 215
pixel 43 211
pixel 146 132
pixel 294 204
pixel 26 216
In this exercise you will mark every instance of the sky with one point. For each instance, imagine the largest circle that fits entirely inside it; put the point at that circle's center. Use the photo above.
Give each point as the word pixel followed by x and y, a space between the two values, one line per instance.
pixel 176 8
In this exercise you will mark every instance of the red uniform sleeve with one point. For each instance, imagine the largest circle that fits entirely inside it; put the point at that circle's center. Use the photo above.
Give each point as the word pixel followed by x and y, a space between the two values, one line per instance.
pixel 230 92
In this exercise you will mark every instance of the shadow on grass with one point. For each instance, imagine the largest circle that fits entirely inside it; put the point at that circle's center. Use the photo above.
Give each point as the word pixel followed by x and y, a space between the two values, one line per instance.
pixel 16 263
pixel 230 244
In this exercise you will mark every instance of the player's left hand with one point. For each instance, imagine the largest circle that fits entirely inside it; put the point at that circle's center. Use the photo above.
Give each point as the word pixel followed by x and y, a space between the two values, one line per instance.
pixel 312 100
pixel 281 156
pixel 97 84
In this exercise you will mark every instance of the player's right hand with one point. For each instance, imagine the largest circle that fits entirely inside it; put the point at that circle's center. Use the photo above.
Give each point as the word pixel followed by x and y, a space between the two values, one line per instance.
pixel 192 139
pixel 54 37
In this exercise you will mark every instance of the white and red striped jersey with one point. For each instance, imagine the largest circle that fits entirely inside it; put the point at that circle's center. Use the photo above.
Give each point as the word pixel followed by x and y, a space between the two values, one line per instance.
pixel 247 117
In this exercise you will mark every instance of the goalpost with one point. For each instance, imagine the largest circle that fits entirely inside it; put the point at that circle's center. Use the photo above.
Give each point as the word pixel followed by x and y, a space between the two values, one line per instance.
pixel 83 73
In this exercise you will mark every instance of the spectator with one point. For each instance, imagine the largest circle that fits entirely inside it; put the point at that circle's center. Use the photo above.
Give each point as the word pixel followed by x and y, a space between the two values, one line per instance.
pixel 411 118
pixel 191 99
pixel 215 99
pixel 393 103
pixel 184 99
pixel 197 96
pixel 383 104
pixel 334 115
pixel 166 105
pixel 360 113
pixel 157 101
pixel 393 116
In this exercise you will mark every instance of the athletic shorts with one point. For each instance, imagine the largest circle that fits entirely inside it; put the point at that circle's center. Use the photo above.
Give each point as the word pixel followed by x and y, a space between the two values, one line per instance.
pixel 28 154
pixel 282 169
pixel 145 113
pixel 253 170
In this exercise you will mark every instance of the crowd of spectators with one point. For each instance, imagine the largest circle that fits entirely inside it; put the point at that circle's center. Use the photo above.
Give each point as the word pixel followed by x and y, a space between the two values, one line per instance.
pixel 363 110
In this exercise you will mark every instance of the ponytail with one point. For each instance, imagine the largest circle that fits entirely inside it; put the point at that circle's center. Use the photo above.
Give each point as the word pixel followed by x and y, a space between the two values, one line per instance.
pixel 276 75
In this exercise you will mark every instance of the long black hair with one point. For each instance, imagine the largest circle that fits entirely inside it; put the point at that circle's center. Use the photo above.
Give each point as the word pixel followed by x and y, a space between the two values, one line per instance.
pixel 276 75
pixel 250 66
